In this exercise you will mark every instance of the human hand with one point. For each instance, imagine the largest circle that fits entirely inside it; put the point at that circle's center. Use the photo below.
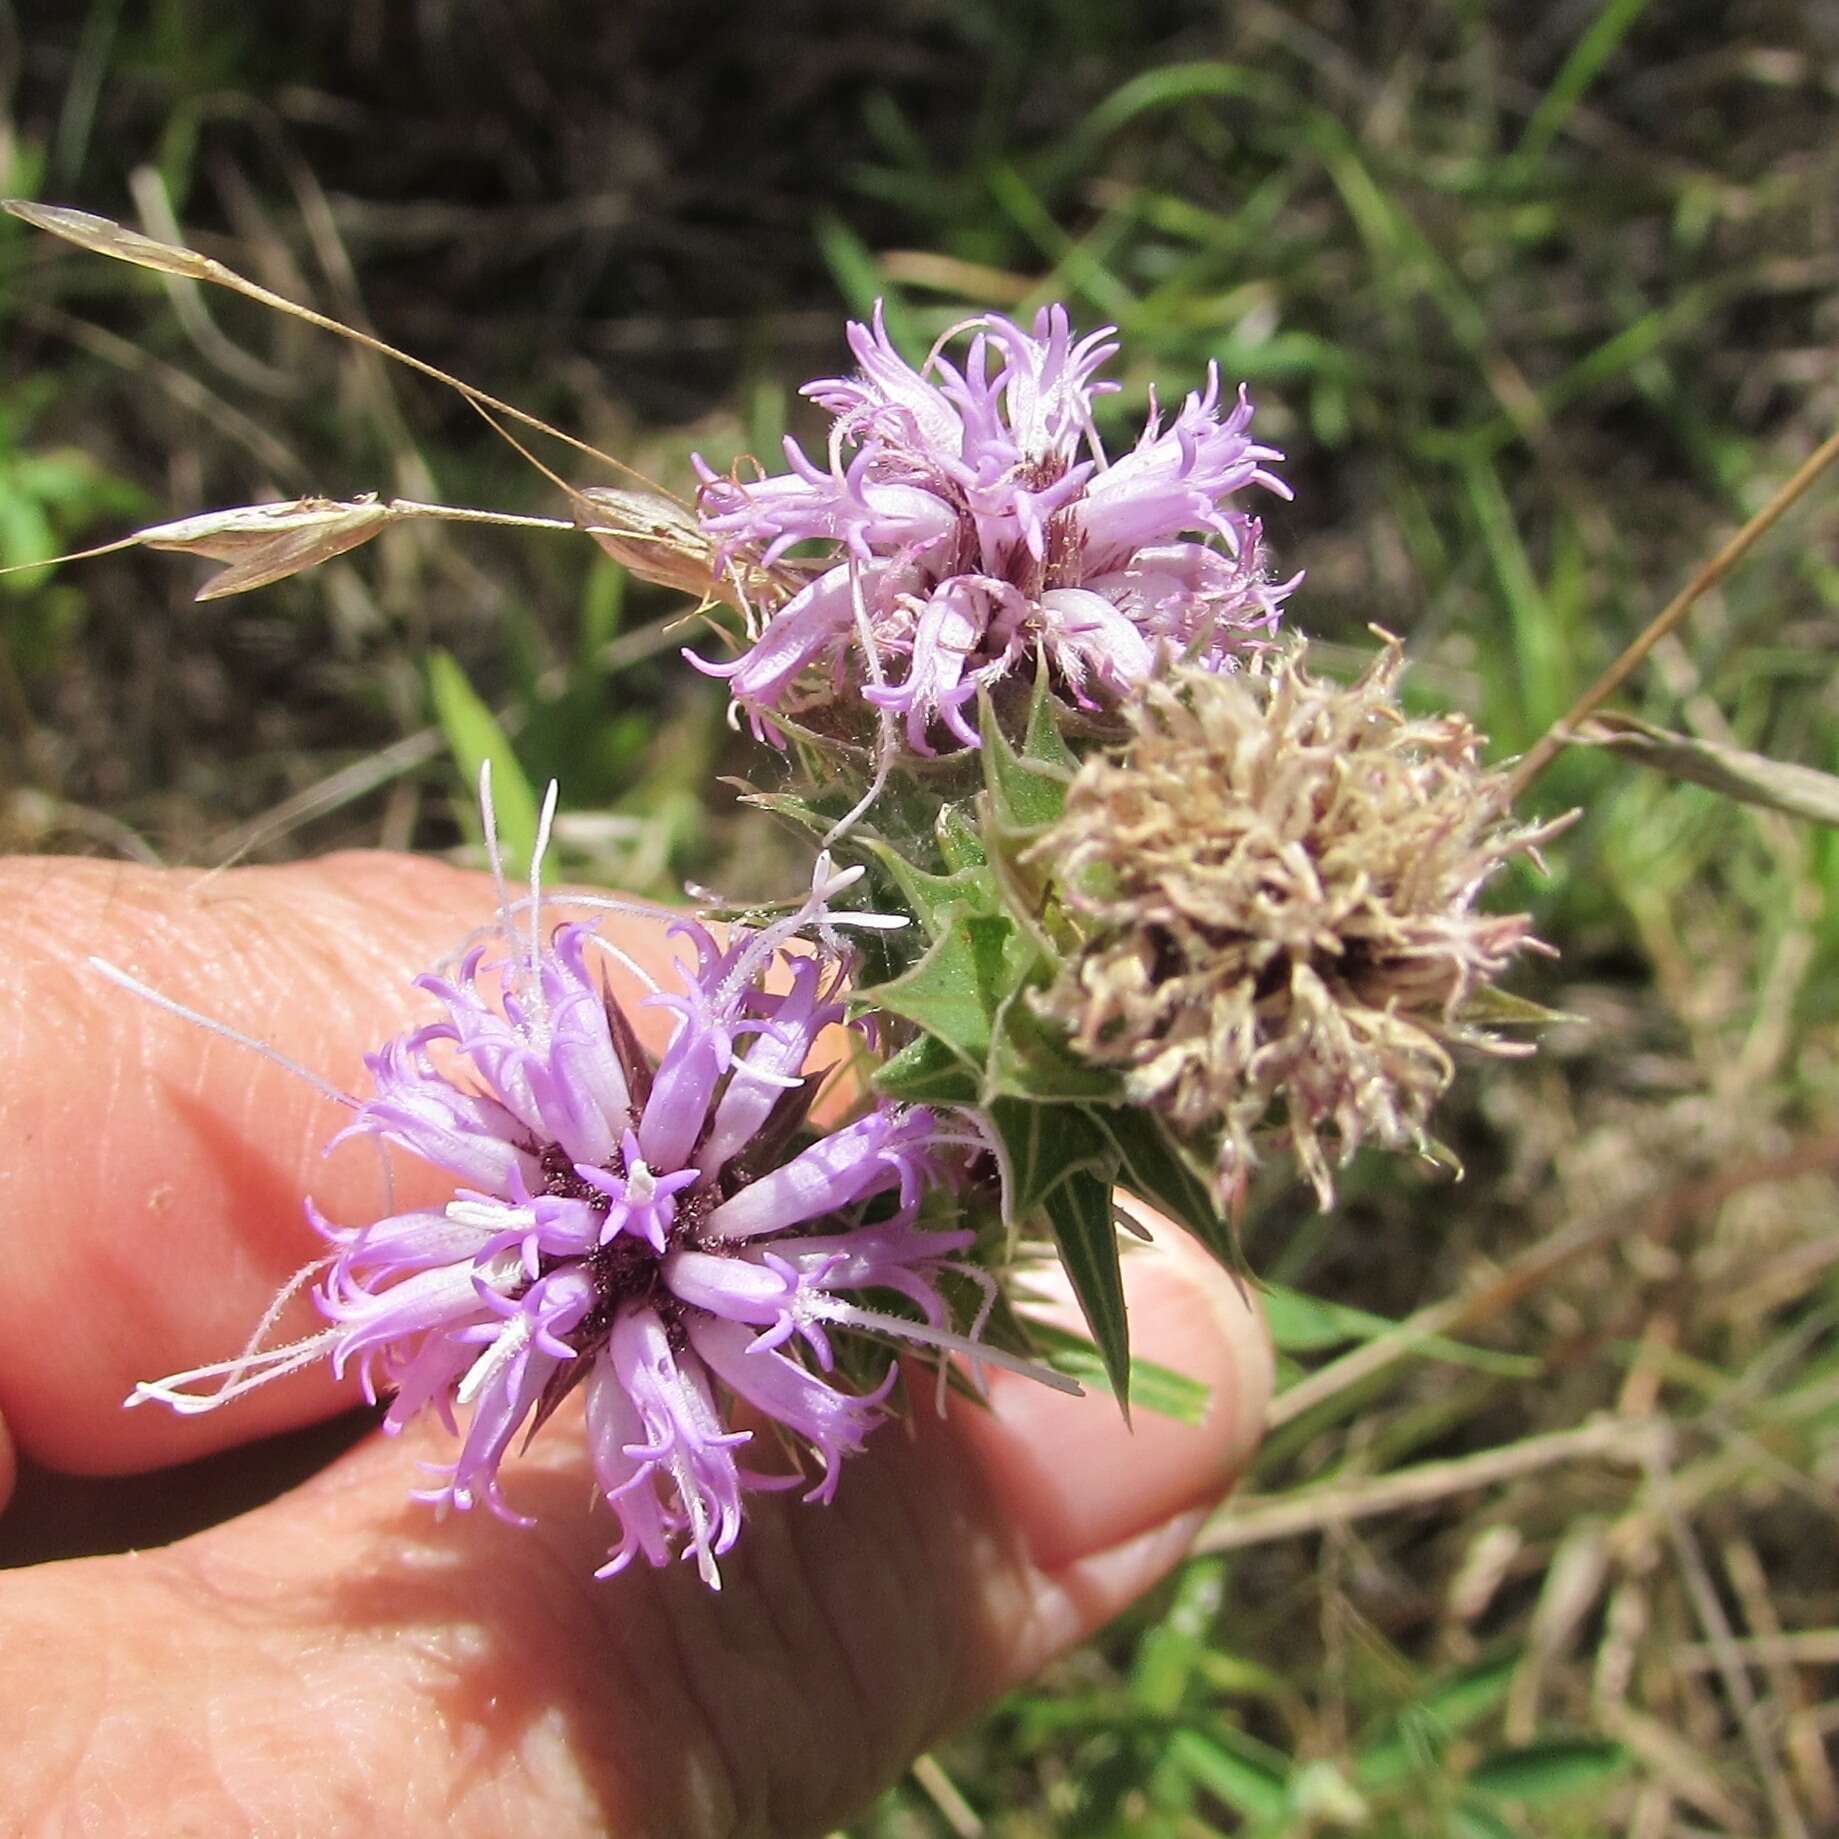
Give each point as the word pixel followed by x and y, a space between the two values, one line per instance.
pixel 337 1661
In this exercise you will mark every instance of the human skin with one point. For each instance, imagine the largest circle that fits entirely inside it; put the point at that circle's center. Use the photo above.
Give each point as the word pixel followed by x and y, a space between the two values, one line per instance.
pixel 338 1660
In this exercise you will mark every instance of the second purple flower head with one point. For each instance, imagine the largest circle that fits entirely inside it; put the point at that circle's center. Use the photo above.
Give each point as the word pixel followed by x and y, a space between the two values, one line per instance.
pixel 970 514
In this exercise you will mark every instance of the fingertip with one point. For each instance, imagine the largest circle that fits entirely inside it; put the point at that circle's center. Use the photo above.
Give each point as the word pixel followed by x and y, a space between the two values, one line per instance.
pixel 1076 1478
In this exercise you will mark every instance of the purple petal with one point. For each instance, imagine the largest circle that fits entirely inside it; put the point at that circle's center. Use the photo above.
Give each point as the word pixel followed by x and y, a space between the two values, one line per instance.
pixel 680 1445
pixel 886 1148
pixel 776 1057
pixel 833 1423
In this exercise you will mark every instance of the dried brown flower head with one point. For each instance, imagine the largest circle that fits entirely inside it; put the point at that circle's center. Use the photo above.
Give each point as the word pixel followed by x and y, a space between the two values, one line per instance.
pixel 1276 880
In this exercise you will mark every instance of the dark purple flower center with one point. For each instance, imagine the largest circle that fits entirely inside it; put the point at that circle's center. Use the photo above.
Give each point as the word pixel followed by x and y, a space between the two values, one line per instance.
pixel 561 1181
pixel 626 1270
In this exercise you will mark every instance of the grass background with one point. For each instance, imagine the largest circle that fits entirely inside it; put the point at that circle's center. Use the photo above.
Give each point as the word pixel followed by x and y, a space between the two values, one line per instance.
pixel 1542 302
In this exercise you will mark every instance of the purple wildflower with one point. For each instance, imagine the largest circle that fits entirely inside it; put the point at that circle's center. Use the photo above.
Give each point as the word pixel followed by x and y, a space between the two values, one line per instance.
pixel 665 1236
pixel 973 515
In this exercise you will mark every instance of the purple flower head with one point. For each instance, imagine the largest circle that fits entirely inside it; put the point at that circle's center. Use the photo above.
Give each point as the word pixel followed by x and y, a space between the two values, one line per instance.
pixel 973 515
pixel 668 1236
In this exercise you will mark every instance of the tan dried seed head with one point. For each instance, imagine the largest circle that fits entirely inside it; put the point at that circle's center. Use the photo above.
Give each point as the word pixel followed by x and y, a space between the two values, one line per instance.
pixel 1276 880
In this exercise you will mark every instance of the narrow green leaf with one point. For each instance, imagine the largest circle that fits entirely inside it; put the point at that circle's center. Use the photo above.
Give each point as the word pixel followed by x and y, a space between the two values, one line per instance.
pixel 1079 1210
pixel 859 279
pixel 603 610
pixel 1153 1387
pixel 1245 1782
pixel 1157 1171
pixel 1171 1651
pixel 1444 1710
pixel 475 736
pixel 1303 1324
pixel 1551 1770
pixel 1045 1144
pixel 1473 1819
pixel 1541 671
pixel 1580 69
pixel 26 541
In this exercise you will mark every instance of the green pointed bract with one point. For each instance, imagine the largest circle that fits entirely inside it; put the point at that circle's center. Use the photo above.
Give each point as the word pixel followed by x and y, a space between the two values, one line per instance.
pixel 1025 790
pixel 794 808
pixel 932 900
pixel 1156 1169
pixel 927 1072
pixel 1079 1211
pixel 1031 1058
pixel 959 840
pixel 958 988
pixel 1045 1145
pixel 1044 744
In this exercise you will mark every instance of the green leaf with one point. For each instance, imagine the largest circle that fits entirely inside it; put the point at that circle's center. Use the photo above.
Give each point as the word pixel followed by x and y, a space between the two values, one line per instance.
pixel 1304 1324
pixel 1228 1768
pixel 859 279
pixel 1471 1819
pixel 603 610
pixel 959 839
pixel 1152 1387
pixel 1045 1145
pixel 26 538
pixel 955 991
pixel 791 808
pixel 1158 1171
pixel 1031 1058
pixel 1418 1732
pixel 927 1072
pixel 1582 65
pixel 933 900
pixel 1024 795
pixel 1174 1647
pixel 1079 1210
pixel 1551 1770
pixel 474 736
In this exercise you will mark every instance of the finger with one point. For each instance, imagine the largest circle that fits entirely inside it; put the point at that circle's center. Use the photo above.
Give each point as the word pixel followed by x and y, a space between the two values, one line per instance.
pixel 151 1174
pixel 343 1663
